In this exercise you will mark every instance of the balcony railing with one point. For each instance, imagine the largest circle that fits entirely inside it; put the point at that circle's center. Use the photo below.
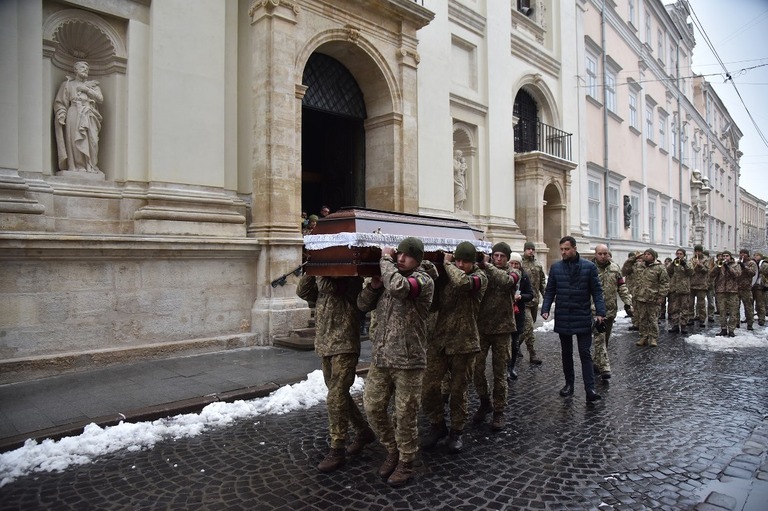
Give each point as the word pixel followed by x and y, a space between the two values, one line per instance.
pixel 537 136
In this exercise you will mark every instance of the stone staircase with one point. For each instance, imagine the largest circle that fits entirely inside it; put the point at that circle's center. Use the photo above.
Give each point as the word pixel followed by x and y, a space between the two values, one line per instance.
pixel 303 339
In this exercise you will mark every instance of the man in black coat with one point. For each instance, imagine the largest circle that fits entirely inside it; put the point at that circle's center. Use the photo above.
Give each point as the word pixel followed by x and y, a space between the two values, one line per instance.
pixel 573 285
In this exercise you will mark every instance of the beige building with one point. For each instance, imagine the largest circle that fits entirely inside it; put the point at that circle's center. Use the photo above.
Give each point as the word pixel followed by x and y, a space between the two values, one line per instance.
pixel 752 214
pixel 149 199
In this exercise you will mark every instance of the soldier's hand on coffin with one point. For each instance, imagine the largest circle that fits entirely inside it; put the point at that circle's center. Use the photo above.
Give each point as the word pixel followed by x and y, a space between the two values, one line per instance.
pixel 388 251
pixel 376 282
pixel 447 258
pixel 486 259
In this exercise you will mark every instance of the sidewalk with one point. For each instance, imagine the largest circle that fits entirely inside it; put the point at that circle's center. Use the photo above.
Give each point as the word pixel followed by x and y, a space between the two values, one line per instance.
pixel 63 405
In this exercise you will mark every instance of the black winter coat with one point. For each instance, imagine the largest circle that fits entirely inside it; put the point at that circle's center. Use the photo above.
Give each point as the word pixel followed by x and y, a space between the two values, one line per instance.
pixel 570 285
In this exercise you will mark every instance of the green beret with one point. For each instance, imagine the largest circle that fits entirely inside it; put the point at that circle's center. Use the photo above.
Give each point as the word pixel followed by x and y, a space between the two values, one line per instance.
pixel 412 247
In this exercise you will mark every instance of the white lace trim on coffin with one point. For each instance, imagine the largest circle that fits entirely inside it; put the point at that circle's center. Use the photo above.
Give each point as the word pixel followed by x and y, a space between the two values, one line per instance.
pixel 363 239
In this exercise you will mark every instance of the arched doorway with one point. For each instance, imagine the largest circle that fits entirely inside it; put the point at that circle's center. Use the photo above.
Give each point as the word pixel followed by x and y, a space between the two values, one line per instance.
pixel 332 137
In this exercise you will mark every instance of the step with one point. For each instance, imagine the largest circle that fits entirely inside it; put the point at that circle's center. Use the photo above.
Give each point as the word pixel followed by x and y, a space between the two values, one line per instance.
pixel 295 342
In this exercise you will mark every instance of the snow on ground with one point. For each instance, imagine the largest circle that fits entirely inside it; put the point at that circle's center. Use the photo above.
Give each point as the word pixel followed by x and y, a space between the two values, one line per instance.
pixel 50 455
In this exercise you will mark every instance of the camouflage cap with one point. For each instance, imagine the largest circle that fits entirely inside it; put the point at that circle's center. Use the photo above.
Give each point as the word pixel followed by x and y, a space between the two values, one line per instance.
pixel 652 252
pixel 413 247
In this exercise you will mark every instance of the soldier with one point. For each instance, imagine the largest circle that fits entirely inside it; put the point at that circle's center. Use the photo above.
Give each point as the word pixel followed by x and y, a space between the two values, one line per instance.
pixel 573 286
pixel 711 300
pixel 652 286
pixel 633 258
pixel 679 272
pixel 697 308
pixel 523 295
pixel 759 286
pixel 663 309
pixel 613 284
pixel 401 297
pixel 538 283
pixel 725 273
pixel 496 322
pixel 453 346
pixel 337 342
pixel 748 272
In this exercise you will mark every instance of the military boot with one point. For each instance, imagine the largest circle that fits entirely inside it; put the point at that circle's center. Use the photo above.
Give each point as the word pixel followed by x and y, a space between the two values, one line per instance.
pixel 333 460
pixel 653 343
pixel 641 342
pixel 497 423
pixel 483 411
pixel 402 474
pixel 674 330
pixel 436 432
pixel 363 438
pixel 533 358
pixel 389 465
pixel 455 445
pixel 723 332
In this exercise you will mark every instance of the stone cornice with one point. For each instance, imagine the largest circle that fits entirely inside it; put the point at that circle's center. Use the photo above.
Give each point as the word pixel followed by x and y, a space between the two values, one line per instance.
pixel 466 18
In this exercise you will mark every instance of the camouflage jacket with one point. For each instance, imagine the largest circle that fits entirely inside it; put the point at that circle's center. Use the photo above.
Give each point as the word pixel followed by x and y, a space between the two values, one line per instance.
pixel 763 269
pixel 497 315
pixel 613 284
pixel 679 278
pixel 748 270
pixel 337 318
pixel 627 269
pixel 726 278
pixel 651 281
pixel 538 279
pixel 460 295
pixel 699 279
pixel 402 307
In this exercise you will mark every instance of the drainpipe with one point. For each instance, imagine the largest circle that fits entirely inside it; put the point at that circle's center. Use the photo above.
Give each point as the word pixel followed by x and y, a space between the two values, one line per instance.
pixel 605 124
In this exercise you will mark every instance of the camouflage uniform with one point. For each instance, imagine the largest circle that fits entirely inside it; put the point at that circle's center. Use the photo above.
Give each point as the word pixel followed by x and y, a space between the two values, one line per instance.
pixel 759 291
pixel 725 279
pixel 651 286
pixel 454 344
pixel 679 293
pixel 539 283
pixel 398 355
pixel 629 278
pixel 337 342
pixel 496 322
pixel 613 284
pixel 697 308
pixel 748 270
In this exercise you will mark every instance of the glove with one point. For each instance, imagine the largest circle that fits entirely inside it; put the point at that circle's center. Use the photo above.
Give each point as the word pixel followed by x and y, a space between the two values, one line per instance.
pixel 628 310
pixel 683 263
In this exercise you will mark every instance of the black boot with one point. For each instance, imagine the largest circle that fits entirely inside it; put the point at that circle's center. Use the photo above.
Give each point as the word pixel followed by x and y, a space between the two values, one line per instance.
pixel 483 411
pixel 436 432
pixel 674 330
pixel 723 332
pixel 455 445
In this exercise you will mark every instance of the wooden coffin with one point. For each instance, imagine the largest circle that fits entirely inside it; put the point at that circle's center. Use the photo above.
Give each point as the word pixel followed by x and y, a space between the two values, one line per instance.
pixel 349 241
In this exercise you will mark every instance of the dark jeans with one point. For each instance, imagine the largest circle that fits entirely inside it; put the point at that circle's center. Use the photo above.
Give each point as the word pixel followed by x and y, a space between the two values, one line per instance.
pixel 585 344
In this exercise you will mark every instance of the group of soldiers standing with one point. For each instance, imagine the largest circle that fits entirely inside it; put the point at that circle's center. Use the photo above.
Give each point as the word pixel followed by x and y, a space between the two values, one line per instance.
pixel 694 290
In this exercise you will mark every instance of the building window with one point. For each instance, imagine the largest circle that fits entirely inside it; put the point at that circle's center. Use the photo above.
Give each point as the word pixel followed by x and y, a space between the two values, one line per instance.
pixel 672 59
pixel 592 76
pixel 633 121
pixel 648 40
pixel 683 140
pixel 660 43
pixel 663 131
pixel 613 211
pixel 664 224
pixel 635 201
pixel 610 90
pixel 632 12
pixel 676 225
pixel 674 138
pixel 649 122
pixel 594 207
pixel 652 220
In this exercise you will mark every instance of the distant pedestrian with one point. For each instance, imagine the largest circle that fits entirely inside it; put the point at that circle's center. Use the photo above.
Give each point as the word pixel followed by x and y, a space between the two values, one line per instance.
pixel 496 322
pixel 401 298
pixel 613 285
pixel 453 346
pixel 538 282
pixel 651 288
pixel 523 295
pixel 748 272
pixel 725 275
pixel 680 273
pixel 337 342
pixel 573 286
pixel 697 308
pixel 760 287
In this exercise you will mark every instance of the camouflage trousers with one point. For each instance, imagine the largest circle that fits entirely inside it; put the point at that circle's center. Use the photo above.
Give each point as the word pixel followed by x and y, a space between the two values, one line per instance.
pixel 460 367
pixel 745 297
pixel 711 302
pixel 759 295
pixel 648 320
pixel 728 303
pixel 339 375
pixel 634 317
pixel 401 432
pixel 499 346
pixel 527 336
pixel 697 306
pixel 600 346
pixel 678 308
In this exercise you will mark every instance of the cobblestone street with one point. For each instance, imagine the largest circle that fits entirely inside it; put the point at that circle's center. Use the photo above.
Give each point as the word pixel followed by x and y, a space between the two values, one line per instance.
pixel 676 424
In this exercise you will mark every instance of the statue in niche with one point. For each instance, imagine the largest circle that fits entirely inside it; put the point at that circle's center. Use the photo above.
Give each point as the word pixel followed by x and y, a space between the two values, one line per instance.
pixel 78 122
pixel 627 212
pixel 459 180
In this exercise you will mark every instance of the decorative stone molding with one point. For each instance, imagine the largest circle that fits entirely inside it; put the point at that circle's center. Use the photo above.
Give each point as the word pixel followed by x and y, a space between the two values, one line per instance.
pixel 283 9
pixel 72 35
pixel 405 54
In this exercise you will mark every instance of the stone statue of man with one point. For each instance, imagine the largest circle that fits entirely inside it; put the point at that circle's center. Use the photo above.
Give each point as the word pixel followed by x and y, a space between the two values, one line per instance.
pixel 78 122
pixel 459 180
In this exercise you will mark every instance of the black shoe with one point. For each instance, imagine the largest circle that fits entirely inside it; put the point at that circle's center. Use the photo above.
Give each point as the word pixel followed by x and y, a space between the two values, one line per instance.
pixel 750 327
pixel 593 396
pixel 511 374
pixel 731 334
pixel 436 432
pixel 691 322
pixel 567 390
pixel 605 375
pixel 761 323
pixel 722 332
pixel 634 328
pixel 455 444
pixel 674 330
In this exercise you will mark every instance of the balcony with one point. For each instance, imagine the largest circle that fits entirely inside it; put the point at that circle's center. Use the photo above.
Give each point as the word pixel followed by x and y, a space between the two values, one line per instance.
pixel 537 136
